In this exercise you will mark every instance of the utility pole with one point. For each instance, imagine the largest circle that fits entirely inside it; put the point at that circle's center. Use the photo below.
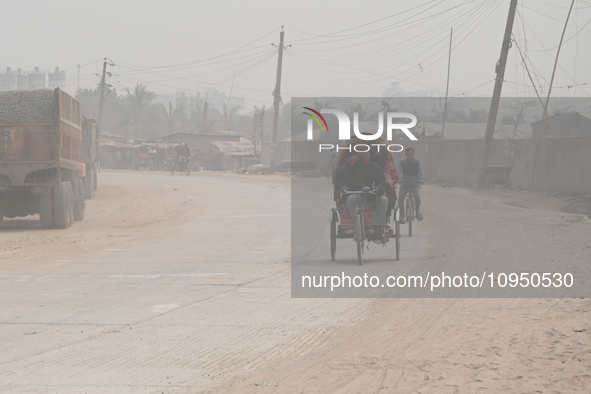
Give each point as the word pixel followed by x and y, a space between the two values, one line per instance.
pixel 102 98
pixel 258 126
pixel 556 60
pixel 277 98
pixel 494 105
pixel 78 77
pixel 545 115
pixel 447 88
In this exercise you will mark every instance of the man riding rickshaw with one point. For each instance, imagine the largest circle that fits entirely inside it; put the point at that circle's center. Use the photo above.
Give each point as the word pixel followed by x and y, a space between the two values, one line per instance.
pixel 382 158
pixel 364 189
pixel 182 158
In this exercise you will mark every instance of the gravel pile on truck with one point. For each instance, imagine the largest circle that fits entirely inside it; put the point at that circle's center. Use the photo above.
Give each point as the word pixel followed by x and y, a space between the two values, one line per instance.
pixel 41 167
pixel 36 106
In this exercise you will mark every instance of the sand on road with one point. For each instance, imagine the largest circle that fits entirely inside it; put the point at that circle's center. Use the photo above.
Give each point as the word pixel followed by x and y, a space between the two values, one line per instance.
pixel 182 285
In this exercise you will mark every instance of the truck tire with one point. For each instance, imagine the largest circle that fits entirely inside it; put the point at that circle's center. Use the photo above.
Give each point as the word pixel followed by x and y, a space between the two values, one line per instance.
pixel 79 204
pixel 94 179
pixel 89 183
pixel 63 205
pixel 70 203
pixel 46 209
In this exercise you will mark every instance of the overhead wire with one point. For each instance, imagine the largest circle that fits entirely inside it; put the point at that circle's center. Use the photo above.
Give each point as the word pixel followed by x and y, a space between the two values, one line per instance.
pixel 469 16
pixel 484 16
pixel 360 26
pixel 313 55
pixel 548 51
pixel 83 65
pixel 393 26
pixel 214 65
pixel 266 57
pixel 207 59
pixel 550 17
pixel 396 48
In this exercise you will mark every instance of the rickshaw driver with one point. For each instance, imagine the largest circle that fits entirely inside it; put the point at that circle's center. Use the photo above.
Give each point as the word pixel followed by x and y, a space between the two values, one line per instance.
pixel 184 151
pixel 356 174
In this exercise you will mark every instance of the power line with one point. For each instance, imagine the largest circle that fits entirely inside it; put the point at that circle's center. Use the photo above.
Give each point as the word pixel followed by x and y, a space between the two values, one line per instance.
pixel 206 59
pixel 550 17
pixel 391 26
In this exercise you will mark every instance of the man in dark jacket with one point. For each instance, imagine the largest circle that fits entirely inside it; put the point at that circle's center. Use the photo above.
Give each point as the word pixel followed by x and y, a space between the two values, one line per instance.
pixel 181 151
pixel 356 174
pixel 412 177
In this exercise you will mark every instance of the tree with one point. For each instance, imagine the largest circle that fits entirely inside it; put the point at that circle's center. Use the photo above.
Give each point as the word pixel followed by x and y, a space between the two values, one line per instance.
pixel 478 115
pixel 228 116
pixel 114 115
pixel 508 126
pixel 139 104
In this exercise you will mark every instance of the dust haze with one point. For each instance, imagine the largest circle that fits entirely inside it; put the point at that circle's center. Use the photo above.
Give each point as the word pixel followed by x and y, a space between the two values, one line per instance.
pixel 168 174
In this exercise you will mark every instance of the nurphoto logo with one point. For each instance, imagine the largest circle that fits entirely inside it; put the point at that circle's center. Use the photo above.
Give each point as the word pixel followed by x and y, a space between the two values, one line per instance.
pixel 392 123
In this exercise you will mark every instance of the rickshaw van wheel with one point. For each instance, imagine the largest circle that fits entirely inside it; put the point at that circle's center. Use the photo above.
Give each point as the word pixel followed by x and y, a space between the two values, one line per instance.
pixel 333 240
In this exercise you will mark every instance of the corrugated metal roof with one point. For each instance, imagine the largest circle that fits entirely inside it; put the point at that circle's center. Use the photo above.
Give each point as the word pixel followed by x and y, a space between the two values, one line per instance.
pixel 584 114
pixel 118 144
pixel 234 148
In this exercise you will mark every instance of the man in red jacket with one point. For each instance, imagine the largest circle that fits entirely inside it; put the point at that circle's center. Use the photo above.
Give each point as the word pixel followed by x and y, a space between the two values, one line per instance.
pixel 356 174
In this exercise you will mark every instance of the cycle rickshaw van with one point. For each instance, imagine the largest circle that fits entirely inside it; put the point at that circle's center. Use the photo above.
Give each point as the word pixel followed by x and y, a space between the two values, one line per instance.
pixel 361 226
pixel 141 158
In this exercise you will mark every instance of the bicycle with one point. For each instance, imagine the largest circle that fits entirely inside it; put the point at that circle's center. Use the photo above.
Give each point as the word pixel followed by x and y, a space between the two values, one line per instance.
pixel 409 203
pixel 361 226
pixel 359 223
pixel 183 165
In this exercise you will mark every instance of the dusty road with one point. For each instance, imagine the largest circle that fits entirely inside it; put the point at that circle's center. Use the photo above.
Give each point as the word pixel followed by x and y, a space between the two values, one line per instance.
pixel 182 285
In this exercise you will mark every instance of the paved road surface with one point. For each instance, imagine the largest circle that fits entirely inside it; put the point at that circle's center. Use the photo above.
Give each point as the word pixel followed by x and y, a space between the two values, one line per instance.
pixel 182 285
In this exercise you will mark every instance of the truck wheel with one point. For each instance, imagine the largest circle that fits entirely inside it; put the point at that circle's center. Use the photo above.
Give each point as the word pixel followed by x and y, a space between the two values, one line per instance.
pixel 46 209
pixel 79 204
pixel 70 204
pixel 89 183
pixel 63 205
pixel 94 180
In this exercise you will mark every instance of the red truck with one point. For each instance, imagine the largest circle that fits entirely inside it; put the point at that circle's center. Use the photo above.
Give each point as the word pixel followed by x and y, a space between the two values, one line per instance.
pixel 41 157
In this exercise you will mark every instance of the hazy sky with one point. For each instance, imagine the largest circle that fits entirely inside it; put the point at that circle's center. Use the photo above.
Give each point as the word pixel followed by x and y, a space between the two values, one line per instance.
pixel 338 48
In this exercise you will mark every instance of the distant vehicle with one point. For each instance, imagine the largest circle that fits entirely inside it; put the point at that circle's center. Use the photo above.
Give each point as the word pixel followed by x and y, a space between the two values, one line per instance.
pixel 42 168
pixel 142 159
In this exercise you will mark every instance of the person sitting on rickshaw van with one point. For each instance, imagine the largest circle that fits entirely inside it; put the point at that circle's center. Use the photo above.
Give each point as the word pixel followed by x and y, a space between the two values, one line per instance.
pixel 385 160
pixel 412 177
pixel 356 174
pixel 182 150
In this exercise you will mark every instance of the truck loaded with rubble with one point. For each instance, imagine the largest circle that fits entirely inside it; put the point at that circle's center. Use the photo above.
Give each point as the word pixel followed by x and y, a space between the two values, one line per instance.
pixel 41 157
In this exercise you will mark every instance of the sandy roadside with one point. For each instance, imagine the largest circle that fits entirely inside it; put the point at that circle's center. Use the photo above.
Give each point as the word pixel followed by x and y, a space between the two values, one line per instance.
pixel 458 345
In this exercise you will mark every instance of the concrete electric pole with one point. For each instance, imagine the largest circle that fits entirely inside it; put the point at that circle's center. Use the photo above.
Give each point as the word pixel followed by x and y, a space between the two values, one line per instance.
pixel 494 105
pixel 277 98
pixel 102 97
pixel 451 33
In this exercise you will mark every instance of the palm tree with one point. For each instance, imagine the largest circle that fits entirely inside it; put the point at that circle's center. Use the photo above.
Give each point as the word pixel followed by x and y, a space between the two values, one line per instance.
pixel 229 115
pixel 318 105
pixel 139 103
